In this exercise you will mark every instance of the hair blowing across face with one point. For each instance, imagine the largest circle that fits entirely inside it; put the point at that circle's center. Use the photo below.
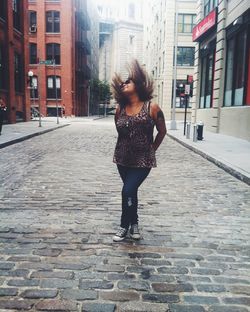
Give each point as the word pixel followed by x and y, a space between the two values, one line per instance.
pixel 143 84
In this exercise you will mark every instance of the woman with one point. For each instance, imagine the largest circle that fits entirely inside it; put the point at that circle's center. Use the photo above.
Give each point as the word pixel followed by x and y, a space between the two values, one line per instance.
pixel 134 155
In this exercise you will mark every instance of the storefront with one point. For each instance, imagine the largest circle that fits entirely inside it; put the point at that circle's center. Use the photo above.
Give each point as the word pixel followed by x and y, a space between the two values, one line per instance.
pixel 223 73
pixel 237 73
pixel 205 34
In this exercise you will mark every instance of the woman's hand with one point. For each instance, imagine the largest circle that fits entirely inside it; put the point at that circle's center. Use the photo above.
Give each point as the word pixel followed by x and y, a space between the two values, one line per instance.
pixel 158 117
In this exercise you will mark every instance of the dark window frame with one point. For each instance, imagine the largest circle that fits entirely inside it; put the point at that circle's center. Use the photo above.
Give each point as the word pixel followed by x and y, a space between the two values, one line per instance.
pixel 33 53
pixel 3 9
pixel 209 6
pixel 53 26
pixel 18 72
pixel 182 63
pixel 51 92
pixel 55 52
pixel 205 85
pixel 183 24
pixel 3 69
pixel 16 7
pixel 244 30
pixel 32 19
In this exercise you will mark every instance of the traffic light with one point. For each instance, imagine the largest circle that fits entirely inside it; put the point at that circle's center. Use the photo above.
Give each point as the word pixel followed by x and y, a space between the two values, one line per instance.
pixel 190 82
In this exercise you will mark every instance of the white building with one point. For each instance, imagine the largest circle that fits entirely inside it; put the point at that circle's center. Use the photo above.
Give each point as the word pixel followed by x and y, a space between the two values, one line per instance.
pixel 159 42
pixel 121 36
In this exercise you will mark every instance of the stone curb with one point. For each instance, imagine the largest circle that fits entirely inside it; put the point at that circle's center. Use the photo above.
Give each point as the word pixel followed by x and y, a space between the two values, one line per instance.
pixel 215 161
pixel 29 136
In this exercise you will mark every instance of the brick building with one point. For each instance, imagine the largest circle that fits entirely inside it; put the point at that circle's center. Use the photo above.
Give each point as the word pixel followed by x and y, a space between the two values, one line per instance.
pixel 14 59
pixel 58 34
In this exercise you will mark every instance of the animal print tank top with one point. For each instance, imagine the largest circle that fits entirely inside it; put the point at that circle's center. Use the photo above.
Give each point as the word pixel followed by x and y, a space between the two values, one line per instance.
pixel 134 147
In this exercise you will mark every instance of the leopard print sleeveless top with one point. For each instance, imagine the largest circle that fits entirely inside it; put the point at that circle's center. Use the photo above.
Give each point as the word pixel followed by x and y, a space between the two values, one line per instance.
pixel 134 147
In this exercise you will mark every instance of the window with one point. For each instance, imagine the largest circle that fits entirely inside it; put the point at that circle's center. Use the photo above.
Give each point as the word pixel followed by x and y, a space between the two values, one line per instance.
pixel 186 23
pixel 34 88
pixel 207 68
pixel 163 61
pixel 32 21
pixel 33 53
pixel 235 79
pixel 180 94
pixel 3 74
pixel 18 72
pixel 16 5
pixel 52 21
pixel 53 52
pixel 3 9
pixel 185 56
pixel 131 11
pixel 209 5
pixel 53 87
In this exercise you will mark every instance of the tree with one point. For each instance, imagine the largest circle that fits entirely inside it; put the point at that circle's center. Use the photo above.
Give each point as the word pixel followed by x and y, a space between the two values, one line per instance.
pixel 100 90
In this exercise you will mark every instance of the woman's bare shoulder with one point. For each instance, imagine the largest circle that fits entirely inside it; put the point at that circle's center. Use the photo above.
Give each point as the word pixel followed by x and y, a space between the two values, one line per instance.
pixel 154 109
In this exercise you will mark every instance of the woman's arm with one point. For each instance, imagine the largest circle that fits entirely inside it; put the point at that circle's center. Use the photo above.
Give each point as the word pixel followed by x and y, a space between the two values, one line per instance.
pixel 117 112
pixel 158 117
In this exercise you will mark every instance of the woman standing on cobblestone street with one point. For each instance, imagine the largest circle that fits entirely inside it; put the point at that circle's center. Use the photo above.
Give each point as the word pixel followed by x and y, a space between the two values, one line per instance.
pixel 134 155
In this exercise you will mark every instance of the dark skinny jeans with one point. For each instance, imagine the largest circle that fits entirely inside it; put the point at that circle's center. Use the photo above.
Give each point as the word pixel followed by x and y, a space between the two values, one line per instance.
pixel 132 178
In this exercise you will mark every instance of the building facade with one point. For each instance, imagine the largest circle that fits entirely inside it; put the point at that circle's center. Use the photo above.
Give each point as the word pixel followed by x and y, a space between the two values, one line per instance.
pixel 14 59
pixel 222 67
pixel 169 23
pixel 93 58
pixel 121 36
pixel 58 49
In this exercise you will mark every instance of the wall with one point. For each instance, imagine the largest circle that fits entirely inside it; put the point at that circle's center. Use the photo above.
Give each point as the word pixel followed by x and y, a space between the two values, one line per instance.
pixel 235 121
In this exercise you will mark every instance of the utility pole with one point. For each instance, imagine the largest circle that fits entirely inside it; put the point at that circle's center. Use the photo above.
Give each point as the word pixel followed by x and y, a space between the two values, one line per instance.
pixel 173 121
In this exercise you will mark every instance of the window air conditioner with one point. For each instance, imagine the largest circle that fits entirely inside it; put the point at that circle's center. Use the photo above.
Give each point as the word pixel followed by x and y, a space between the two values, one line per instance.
pixel 33 29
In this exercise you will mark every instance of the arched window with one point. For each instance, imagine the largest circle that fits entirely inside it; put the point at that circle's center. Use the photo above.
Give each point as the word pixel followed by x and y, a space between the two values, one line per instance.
pixel 53 87
pixel 53 52
pixel 53 21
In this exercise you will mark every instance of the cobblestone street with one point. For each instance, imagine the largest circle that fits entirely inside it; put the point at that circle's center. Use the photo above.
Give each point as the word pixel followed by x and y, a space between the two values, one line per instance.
pixel 60 206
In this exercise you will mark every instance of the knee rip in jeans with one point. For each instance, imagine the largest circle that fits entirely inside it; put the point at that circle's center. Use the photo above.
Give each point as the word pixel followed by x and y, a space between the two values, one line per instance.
pixel 129 201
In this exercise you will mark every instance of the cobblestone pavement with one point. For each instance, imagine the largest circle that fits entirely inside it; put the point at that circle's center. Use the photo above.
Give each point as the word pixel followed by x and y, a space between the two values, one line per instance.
pixel 60 206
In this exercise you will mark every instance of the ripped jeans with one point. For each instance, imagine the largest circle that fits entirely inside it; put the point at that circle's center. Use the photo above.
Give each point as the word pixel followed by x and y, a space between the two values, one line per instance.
pixel 132 178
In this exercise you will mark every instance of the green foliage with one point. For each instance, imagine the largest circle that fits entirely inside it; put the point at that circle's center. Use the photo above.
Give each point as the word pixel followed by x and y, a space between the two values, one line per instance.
pixel 100 90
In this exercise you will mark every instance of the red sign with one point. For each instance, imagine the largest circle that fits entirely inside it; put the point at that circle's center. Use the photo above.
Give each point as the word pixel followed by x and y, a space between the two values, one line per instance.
pixel 207 23
pixel 189 78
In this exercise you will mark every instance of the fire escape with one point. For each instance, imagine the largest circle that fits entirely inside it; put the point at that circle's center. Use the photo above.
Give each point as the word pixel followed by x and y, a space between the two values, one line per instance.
pixel 83 72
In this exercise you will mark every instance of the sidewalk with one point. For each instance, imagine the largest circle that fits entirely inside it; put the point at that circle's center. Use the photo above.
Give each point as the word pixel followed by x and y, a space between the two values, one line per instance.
pixel 227 152
pixel 14 133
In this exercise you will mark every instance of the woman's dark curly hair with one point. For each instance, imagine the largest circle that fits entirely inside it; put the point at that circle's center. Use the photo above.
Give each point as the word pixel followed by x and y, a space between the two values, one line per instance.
pixel 143 84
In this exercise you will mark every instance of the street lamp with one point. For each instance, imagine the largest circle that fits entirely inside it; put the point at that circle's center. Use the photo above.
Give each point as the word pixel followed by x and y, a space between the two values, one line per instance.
pixel 30 75
pixel 55 77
